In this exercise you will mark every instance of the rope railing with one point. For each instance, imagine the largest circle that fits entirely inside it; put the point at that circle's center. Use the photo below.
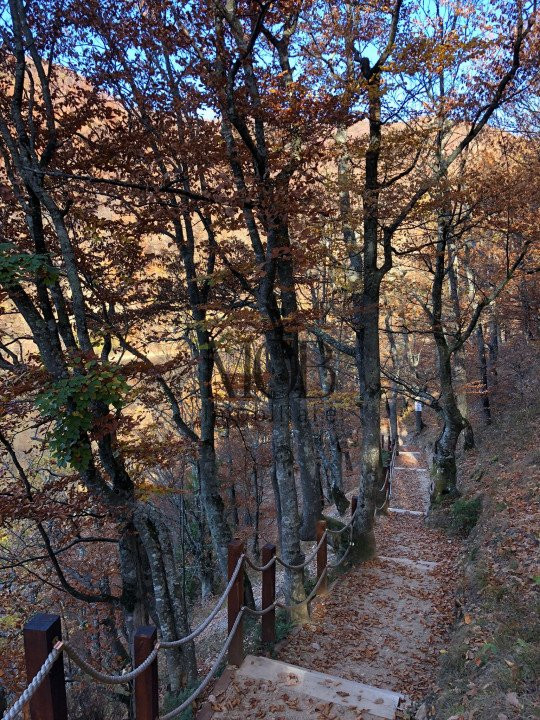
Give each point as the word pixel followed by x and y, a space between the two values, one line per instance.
pixel 109 679
pixel 34 686
pixel 388 477
pixel 307 560
pixel 341 530
pixel 335 565
pixel 144 674
pixel 105 678
pixel 392 466
pixel 166 644
pixel 288 566
pixel 213 670
pixel 260 568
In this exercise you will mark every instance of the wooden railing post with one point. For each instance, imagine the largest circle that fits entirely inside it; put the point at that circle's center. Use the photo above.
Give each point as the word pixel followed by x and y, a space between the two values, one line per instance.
pixel 146 684
pixel 234 602
pixel 40 635
pixel 322 557
pixel 268 629
pixel 354 504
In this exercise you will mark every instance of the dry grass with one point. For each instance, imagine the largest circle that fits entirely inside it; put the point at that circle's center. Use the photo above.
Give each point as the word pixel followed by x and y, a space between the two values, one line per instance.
pixel 491 667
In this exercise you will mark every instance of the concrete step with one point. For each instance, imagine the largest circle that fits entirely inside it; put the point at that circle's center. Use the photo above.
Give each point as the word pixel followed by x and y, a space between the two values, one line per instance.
pixel 403 511
pixel 423 565
pixel 380 704
pixel 414 469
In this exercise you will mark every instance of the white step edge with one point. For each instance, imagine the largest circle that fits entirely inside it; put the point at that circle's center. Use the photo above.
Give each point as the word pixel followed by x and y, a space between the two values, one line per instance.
pixel 320 686
pixel 409 468
pixel 402 511
pixel 421 564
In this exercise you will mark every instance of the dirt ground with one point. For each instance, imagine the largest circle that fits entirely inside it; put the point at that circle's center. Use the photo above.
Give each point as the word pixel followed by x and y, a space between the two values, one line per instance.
pixel 385 623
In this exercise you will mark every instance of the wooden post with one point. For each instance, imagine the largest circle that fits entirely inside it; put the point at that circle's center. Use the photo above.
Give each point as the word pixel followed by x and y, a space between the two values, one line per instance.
pixel 322 557
pixel 146 684
pixel 234 602
pixel 354 504
pixel 268 629
pixel 40 635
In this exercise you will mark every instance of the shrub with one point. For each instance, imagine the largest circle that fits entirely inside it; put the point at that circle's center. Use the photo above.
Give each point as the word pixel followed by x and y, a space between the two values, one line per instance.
pixel 465 514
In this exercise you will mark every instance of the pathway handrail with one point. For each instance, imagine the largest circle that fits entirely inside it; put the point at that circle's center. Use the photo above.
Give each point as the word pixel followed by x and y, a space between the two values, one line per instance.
pixel 65 647
pixel 279 561
pixel 195 694
pixel 32 688
pixel 217 607
pixel 293 606
pixel 345 527
pixel 309 558
pixel 392 467
pixel 105 678
pixel 388 477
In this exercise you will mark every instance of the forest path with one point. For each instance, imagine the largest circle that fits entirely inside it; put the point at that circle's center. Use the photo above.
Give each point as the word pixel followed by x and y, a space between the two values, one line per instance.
pixel 383 624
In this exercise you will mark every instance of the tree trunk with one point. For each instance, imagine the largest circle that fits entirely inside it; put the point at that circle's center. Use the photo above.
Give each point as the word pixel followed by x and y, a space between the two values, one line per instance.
pixel 392 414
pixel 444 451
pixel 310 476
pixel 368 365
pixel 134 603
pixel 366 302
pixel 459 368
pixel 170 604
pixel 444 454
pixel 444 460
pixel 211 496
pixel 482 367
pixel 277 499
pixel 284 465
pixel 393 396
pixel 335 462
pixel 493 347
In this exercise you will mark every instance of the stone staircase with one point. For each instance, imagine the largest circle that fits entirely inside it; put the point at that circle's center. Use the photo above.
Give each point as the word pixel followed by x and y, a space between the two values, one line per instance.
pixel 263 688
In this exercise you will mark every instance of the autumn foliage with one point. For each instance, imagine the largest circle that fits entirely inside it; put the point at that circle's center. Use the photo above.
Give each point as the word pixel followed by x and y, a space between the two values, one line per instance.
pixel 237 241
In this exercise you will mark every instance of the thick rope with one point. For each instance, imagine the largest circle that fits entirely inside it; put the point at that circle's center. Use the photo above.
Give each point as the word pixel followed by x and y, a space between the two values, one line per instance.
pixel 309 598
pixel 345 527
pixel 30 691
pixel 307 560
pixel 282 606
pixel 265 611
pixel 195 694
pixel 104 678
pixel 166 644
pixel 392 468
pixel 387 482
pixel 260 568
pixel 342 558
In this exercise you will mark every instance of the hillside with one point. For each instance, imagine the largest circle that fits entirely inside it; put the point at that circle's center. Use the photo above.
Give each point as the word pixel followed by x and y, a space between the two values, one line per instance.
pixel 491 665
